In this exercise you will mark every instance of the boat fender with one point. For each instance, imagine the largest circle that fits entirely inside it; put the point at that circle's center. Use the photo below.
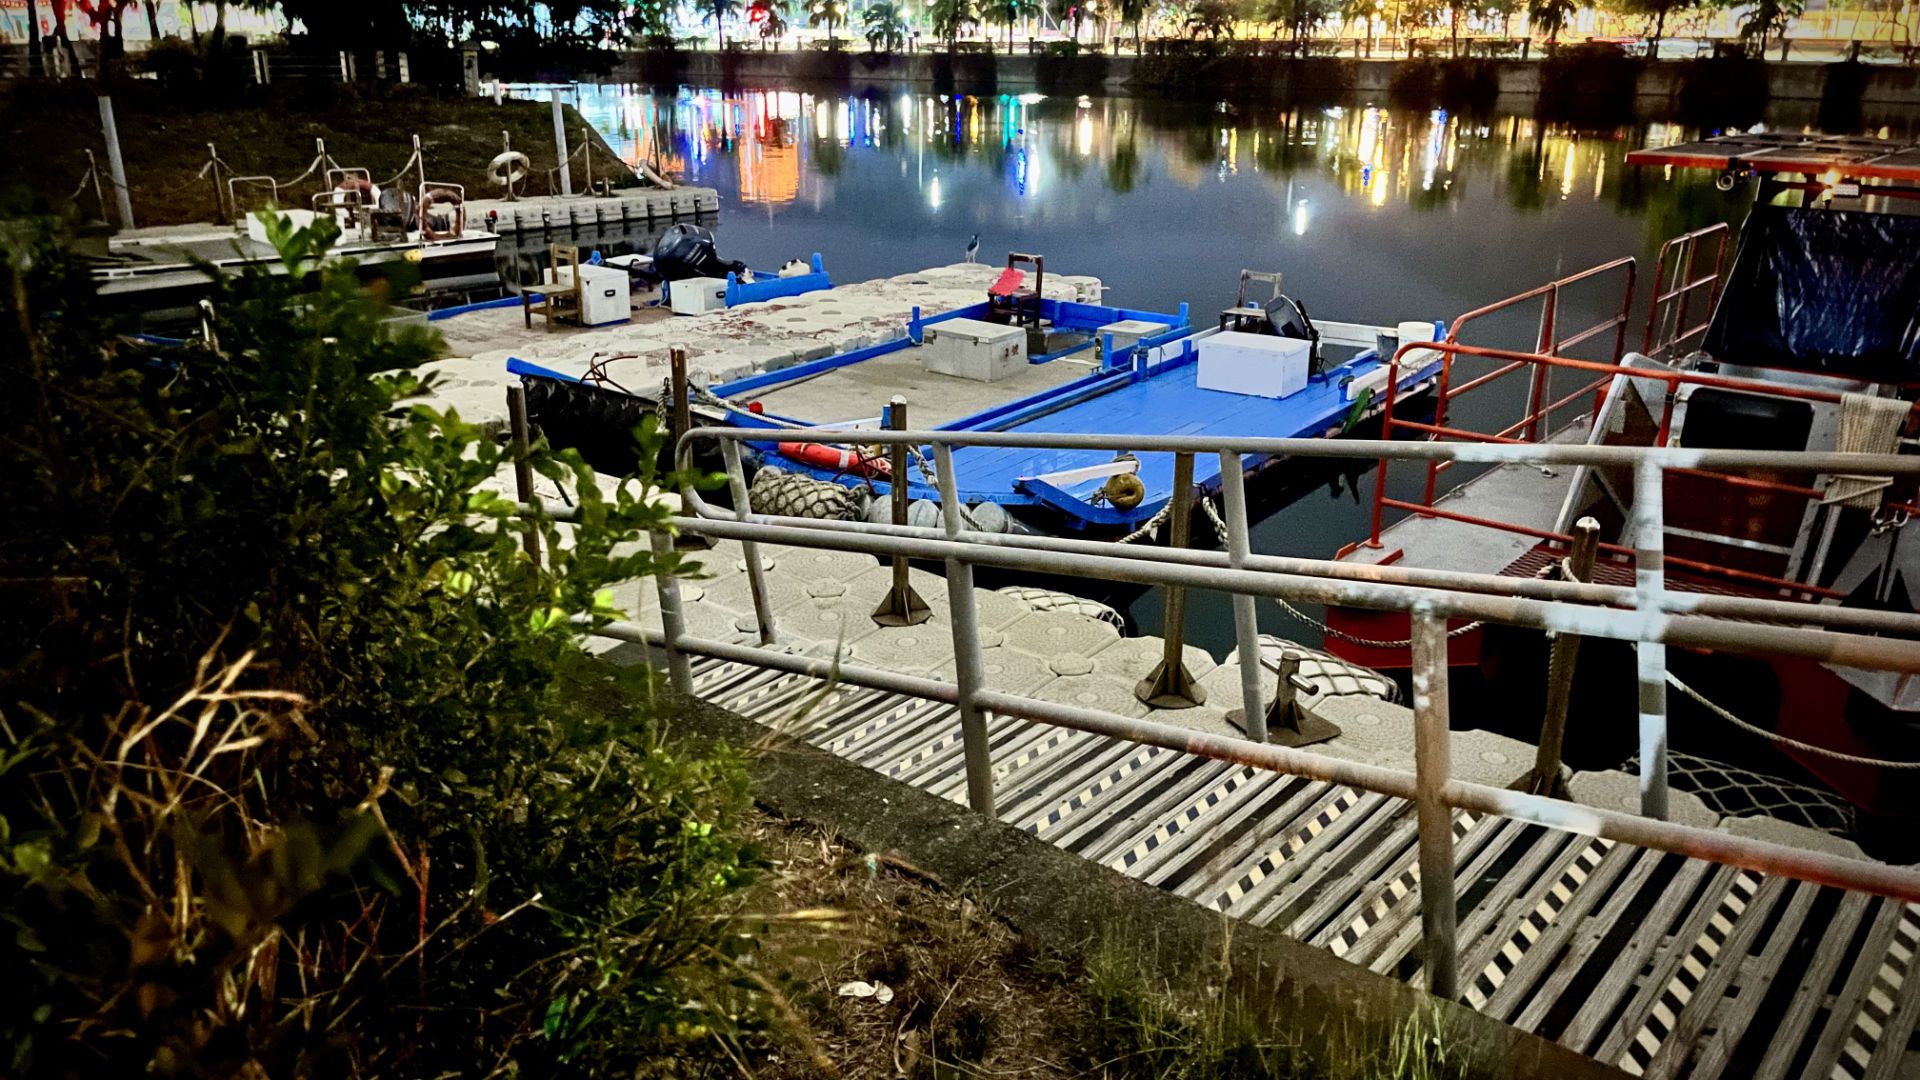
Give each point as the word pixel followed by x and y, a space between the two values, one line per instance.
pixel 923 514
pixel 839 459
pixel 786 494
pixel 1047 600
pixel 1124 490
pixel 509 168
pixel 989 518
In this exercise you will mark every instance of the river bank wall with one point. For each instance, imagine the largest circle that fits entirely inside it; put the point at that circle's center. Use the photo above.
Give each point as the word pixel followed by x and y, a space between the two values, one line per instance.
pixel 1577 80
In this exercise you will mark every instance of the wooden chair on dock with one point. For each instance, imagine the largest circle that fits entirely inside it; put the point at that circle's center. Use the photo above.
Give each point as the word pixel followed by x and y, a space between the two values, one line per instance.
pixel 559 294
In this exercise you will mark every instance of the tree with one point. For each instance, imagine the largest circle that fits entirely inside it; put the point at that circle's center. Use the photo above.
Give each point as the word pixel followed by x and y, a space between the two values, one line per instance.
pixel 717 13
pixel 1361 11
pixel 33 38
pixel 950 18
pixel 828 13
pixel 1008 13
pixel 1767 18
pixel 1210 17
pixel 886 27
pixel 1551 16
pixel 1300 17
pixel 1133 13
pixel 1071 12
pixel 771 17
pixel 1656 10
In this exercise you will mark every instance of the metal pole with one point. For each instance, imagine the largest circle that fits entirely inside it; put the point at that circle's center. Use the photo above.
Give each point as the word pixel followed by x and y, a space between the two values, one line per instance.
pixel 116 169
pixel 756 573
pixel 902 606
pixel 560 145
pixel 213 177
pixel 969 665
pixel 99 193
pixel 1545 779
pixel 1432 769
pixel 682 391
pixel 1252 717
pixel 522 464
pixel 586 156
pixel 1649 559
pixel 672 625
pixel 1171 686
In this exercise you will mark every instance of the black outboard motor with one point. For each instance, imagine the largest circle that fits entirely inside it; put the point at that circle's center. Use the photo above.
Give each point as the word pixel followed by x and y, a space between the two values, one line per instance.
pixel 687 251
pixel 1287 318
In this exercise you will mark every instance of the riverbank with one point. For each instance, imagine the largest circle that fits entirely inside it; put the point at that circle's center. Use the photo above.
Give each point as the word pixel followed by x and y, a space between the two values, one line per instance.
pixel 165 142
pixel 1576 80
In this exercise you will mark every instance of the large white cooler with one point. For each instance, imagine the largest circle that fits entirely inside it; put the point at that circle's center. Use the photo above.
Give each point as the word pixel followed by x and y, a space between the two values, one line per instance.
pixel 697 295
pixel 972 349
pixel 1258 365
pixel 606 293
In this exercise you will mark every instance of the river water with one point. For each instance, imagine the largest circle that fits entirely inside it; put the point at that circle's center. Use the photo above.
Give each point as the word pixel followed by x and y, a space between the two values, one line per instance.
pixel 1373 213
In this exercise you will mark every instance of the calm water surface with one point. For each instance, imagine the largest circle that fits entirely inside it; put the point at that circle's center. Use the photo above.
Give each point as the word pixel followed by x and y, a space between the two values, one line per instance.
pixel 1374 214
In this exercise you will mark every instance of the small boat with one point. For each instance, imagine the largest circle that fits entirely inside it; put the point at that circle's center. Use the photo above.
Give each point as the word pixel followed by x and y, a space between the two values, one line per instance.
pixel 1021 361
pixel 1807 341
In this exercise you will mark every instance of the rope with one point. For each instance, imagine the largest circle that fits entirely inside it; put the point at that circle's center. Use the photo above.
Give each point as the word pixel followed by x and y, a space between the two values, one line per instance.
pixel 412 160
pixel 1868 425
pixel 1150 527
pixel 1774 736
pixel 82 185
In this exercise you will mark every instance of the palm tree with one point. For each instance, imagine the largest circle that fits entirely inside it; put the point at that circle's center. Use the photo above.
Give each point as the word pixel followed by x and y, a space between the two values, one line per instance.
pixel 1008 13
pixel 1551 16
pixel 886 27
pixel 1361 11
pixel 1133 13
pixel 1300 18
pixel 948 19
pixel 1210 17
pixel 716 12
pixel 828 13
pixel 770 17
pixel 1071 12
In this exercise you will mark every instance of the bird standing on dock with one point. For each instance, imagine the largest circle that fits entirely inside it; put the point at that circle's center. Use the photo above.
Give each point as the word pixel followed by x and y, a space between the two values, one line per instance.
pixel 973 247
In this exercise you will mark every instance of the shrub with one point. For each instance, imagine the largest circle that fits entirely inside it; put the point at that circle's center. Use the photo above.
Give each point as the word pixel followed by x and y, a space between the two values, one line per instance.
pixel 288 785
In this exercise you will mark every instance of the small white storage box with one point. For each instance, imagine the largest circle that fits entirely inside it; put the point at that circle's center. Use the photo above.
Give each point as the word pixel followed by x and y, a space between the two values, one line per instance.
pixel 606 295
pixel 972 349
pixel 1258 365
pixel 697 295
pixel 1126 332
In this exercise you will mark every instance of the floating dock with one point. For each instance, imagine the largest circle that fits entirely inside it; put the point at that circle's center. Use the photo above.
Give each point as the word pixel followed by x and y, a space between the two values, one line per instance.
pixel 625 206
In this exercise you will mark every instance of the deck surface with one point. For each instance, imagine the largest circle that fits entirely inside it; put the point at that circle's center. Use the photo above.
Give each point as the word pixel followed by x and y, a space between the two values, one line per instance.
pixel 862 390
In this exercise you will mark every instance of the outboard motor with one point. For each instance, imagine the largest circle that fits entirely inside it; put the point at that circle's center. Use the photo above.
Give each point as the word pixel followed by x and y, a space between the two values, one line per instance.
pixel 687 251
pixel 1287 317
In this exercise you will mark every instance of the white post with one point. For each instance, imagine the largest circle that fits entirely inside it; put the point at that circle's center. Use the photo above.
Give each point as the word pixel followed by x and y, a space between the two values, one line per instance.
pixel 116 169
pixel 406 74
pixel 560 146
pixel 1649 557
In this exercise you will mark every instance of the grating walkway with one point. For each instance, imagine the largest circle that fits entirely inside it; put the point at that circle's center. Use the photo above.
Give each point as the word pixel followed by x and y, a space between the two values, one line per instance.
pixel 1662 965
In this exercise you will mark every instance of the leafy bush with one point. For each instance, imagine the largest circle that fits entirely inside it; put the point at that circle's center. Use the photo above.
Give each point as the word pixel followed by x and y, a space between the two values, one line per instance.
pixel 288 785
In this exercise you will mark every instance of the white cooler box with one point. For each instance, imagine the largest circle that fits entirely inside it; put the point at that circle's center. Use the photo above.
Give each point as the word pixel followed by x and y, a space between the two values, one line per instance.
pixel 697 295
pixel 606 294
pixel 972 349
pixel 1258 365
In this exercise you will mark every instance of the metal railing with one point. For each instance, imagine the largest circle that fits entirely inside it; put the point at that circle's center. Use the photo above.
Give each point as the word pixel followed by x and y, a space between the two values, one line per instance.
pixel 1646 615
pixel 1676 278
pixel 1672 381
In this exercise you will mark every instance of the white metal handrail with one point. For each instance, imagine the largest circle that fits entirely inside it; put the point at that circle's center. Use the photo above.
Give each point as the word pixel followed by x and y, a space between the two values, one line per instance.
pixel 1647 615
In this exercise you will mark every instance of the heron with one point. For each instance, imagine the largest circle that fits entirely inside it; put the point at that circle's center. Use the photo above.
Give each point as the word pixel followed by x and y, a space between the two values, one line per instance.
pixel 973 247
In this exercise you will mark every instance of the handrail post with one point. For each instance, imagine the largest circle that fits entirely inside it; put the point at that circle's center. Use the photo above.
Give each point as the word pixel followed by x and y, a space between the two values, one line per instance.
pixel 969 665
pixel 1545 778
pixel 673 624
pixel 682 392
pixel 1537 386
pixel 743 509
pixel 902 606
pixel 522 463
pixel 1649 555
pixel 1171 686
pixel 1251 717
pixel 1432 767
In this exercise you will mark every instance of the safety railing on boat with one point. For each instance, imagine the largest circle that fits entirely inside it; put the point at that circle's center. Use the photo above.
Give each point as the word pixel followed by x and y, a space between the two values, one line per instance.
pixel 1671 380
pixel 1551 339
pixel 1646 615
pixel 1676 281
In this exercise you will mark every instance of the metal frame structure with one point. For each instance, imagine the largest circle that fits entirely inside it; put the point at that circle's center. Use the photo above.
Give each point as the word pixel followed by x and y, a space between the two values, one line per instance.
pixel 1676 278
pixel 1647 615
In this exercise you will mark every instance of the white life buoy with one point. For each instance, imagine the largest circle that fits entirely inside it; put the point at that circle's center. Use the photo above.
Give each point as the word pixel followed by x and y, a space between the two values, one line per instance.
pixel 509 168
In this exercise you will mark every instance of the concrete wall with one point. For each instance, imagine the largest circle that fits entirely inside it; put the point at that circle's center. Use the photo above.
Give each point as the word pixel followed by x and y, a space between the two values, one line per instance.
pixel 1653 84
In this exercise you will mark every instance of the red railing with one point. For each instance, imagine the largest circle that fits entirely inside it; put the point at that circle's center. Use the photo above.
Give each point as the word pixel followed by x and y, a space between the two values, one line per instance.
pixel 1672 381
pixel 1549 341
pixel 1677 267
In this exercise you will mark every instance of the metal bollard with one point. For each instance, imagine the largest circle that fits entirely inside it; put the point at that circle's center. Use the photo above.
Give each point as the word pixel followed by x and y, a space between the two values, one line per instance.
pixel 902 606
pixel 1432 768
pixel 1171 686
pixel 522 464
pixel 1545 777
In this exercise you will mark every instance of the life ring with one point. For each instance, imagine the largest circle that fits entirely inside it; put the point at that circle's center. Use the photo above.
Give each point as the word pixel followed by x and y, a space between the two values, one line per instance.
pixel 350 185
pixel 509 168
pixel 441 196
pixel 836 459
